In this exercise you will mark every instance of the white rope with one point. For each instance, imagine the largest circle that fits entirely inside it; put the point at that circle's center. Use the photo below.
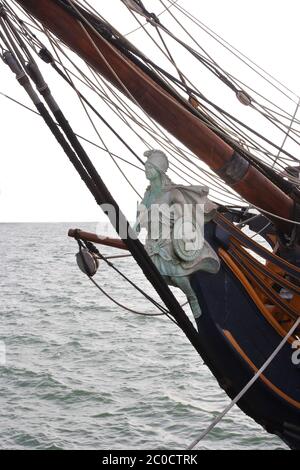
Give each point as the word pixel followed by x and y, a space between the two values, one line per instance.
pixel 247 387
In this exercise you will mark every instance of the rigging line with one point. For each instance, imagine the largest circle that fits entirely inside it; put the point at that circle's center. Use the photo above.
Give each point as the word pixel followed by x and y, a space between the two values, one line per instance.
pixel 24 12
pixel 93 87
pixel 211 33
pixel 124 307
pixel 247 386
pixel 152 130
pixel 109 66
pixel 107 149
pixel 235 125
pixel 111 92
pixel 17 37
pixel 235 143
pixel 269 113
pixel 226 194
pixel 213 67
pixel 253 131
pixel 287 134
pixel 225 44
pixel 116 34
pixel 214 63
pixel 168 139
pixel 166 54
pixel 103 58
pixel 115 94
pixel 261 230
pixel 138 135
pixel 16 68
pixel 274 115
pixel 227 190
pixel 173 164
pixel 212 176
pixel 121 305
pixel 295 222
pixel 237 129
pixel 201 96
pixel 287 116
pixel 102 195
pixel 258 149
pixel 95 250
pixel 41 45
pixel 280 128
pixel 173 3
pixel 19 103
pixel 184 79
pixel 12 42
pixel 94 126
pixel 14 18
pixel 115 108
pixel 56 41
pixel 97 113
pixel 263 97
pixel 77 135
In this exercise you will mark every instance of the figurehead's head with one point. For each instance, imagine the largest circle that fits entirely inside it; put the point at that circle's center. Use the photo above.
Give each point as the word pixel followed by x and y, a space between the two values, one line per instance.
pixel 158 160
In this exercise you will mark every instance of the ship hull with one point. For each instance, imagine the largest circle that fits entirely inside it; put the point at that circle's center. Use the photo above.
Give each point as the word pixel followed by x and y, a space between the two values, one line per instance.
pixel 236 341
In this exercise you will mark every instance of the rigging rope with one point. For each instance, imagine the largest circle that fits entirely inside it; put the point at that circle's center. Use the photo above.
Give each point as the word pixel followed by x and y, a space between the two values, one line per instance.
pixel 203 171
pixel 77 135
pixel 113 71
pixel 94 250
pixel 193 52
pixel 96 12
pixel 92 179
pixel 227 46
pixel 209 175
pixel 286 136
pixel 212 181
pixel 83 100
pixel 180 169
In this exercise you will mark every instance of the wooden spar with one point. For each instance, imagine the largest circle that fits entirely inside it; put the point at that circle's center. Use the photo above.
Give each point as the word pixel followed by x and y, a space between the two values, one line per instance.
pixel 161 106
pixel 92 237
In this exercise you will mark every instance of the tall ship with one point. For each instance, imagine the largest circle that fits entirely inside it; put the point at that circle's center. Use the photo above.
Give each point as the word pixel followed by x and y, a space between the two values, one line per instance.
pixel 243 283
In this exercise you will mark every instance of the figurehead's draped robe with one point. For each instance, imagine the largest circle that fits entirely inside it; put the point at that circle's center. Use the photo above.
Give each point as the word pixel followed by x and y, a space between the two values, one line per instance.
pixel 167 252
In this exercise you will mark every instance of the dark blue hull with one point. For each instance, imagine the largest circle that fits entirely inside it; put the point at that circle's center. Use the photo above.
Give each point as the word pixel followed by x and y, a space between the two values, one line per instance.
pixel 236 340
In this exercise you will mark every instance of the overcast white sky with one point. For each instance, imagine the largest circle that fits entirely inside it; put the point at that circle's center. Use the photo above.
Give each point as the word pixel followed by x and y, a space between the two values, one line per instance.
pixel 38 183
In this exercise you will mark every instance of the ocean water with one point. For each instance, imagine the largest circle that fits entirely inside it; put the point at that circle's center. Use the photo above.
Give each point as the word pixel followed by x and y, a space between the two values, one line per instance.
pixel 77 372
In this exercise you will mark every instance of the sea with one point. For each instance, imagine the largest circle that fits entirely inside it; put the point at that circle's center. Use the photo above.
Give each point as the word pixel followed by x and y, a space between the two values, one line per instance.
pixel 79 372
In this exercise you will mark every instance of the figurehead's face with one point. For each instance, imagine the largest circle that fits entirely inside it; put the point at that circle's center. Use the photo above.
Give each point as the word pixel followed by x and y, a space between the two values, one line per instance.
pixel 151 172
pixel 156 164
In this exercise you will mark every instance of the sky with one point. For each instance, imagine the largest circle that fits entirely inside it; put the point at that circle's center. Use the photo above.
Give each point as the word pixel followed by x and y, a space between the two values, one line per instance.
pixel 37 182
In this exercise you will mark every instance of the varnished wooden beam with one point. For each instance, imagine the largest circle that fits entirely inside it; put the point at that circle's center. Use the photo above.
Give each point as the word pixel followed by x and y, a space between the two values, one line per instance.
pixel 92 237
